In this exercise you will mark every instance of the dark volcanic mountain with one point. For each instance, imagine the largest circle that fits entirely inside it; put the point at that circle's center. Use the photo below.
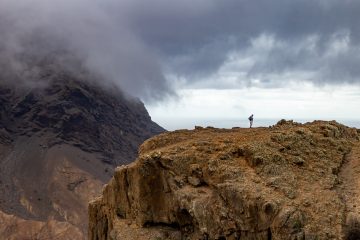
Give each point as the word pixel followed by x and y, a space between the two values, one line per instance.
pixel 59 143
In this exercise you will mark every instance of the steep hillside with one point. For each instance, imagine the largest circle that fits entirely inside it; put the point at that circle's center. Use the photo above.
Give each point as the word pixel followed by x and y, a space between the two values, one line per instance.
pixel 289 181
pixel 59 143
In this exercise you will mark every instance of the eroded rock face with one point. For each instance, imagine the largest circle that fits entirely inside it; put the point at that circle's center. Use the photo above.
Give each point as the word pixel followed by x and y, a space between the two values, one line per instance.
pixel 282 182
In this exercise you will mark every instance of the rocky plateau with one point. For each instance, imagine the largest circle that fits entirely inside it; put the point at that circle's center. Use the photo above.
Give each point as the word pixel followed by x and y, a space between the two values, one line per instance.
pixel 289 181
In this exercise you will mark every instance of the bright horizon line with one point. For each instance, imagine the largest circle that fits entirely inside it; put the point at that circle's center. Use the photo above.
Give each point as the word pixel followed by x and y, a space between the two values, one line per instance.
pixel 189 123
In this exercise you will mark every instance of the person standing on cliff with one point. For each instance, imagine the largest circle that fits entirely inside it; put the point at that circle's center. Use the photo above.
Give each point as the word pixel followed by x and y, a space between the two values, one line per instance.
pixel 251 119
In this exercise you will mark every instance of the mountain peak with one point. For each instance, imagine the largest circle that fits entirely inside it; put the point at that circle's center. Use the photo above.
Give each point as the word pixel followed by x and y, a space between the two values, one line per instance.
pixel 80 113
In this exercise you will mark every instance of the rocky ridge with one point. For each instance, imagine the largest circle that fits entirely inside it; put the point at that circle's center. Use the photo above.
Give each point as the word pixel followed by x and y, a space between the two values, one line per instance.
pixel 80 113
pixel 288 181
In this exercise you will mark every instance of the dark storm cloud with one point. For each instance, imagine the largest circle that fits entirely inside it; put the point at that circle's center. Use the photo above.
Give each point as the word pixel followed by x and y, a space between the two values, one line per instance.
pixel 138 44
pixel 80 34
pixel 236 23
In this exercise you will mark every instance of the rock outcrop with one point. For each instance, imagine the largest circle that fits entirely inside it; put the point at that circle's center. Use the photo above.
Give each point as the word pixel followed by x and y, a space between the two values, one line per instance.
pixel 289 181
pixel 59 143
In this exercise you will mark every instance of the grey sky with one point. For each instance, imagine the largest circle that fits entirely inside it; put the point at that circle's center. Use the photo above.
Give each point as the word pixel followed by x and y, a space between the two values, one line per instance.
pixel 149 48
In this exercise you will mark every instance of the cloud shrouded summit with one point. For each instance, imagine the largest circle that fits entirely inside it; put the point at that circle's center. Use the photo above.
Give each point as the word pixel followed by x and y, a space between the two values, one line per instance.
pixel 144 46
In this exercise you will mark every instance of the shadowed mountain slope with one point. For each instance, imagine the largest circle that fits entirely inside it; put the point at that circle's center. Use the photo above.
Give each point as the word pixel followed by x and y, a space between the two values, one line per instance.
pixel 59 142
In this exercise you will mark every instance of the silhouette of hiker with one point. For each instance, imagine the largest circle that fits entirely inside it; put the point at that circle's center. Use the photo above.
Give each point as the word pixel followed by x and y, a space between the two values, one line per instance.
pixel 251 119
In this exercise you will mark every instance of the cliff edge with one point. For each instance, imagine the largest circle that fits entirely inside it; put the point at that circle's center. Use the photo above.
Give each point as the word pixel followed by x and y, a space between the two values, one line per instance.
pixel 288 181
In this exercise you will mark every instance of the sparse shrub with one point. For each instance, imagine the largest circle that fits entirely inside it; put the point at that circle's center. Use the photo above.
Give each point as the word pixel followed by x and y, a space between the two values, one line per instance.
pixel 281 122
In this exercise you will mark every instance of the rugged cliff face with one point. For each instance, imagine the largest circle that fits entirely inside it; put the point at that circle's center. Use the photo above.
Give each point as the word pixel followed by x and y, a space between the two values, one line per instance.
pixel 289 181
pixel 60 139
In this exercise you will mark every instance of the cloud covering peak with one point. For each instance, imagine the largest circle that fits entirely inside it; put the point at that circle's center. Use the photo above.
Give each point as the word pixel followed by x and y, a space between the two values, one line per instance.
pixel 148 48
